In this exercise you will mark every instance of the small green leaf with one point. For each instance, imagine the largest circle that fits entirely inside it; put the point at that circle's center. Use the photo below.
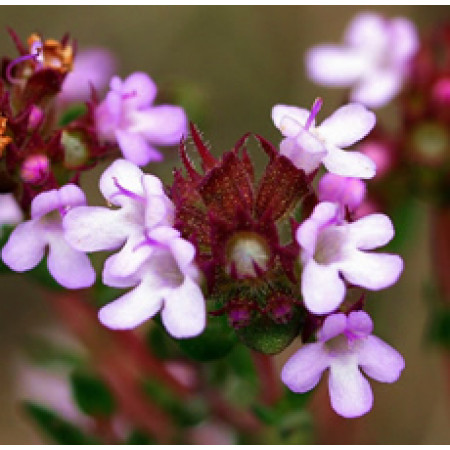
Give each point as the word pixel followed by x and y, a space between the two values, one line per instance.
pixel 185 412
pixel 91 394
pixel 56 428
pixel 72 114
pixel 215 342
pixel 44 353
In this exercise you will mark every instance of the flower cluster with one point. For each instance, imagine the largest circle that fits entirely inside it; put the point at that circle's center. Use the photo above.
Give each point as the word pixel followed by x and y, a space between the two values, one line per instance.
pixel 274 256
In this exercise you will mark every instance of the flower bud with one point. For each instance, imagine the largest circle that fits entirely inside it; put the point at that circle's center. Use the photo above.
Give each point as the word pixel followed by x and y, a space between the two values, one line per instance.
pixel 280 308
pixel 35 169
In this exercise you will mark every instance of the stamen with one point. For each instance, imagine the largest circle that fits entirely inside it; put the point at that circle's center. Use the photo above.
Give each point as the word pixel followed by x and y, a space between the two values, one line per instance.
pixel 314 111
pixel 36 54
pixel 126 192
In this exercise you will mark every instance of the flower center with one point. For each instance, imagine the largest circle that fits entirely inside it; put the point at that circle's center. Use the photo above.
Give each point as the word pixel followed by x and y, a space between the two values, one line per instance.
pixel 329 247
pixel 248 253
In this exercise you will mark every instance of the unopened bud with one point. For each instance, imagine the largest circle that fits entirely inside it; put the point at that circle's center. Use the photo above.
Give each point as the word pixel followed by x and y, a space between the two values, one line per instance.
pixel 280 308
pixel 35 169
pixel 35 118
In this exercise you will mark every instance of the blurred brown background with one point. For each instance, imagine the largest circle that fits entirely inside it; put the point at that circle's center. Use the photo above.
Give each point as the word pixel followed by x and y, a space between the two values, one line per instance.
pixel 242 60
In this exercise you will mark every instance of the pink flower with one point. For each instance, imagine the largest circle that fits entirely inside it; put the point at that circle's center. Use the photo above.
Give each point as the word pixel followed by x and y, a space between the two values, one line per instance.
pixel 344 345
pixel 166 281
pixel 127 117
pixel 308 145
pixel 93 66
pixel 29 240
pixel 141 205
pixel 331 248
pixel 373 60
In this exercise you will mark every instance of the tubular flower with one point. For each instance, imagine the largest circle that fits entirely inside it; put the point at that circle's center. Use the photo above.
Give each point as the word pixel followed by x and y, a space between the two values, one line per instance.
pixel 344 344
pixel 141 206
pixel 331 247
pixel 166 281
pixel 127 117
pixel 307 146
pixel 27 243
pixel 373 61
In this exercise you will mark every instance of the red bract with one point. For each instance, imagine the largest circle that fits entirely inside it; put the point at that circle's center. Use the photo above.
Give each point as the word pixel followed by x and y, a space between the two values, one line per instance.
pixel 235 222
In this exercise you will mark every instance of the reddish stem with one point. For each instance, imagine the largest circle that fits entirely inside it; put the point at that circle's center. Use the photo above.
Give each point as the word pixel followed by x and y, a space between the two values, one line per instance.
pixel 270 387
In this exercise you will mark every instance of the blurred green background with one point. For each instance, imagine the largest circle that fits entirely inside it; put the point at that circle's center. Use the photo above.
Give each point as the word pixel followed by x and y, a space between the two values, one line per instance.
pixel 239 62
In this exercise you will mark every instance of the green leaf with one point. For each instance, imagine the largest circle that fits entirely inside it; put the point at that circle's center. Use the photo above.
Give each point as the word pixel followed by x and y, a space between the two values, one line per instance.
pixel 161 344
pixel 73 113
pixel 57 429
pixel 91 394
pixel 43 352
pixel 185 412
pixel 215 342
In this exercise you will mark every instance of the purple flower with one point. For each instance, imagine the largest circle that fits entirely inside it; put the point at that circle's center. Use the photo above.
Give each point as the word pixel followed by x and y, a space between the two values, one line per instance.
pixel 93 66
pixel 27 244
pixel 331 248
pixel 344 345
pixel 373 60
pixel 347 192
pixel 127 117
pixel 307 145
pixel 141 206
pixel 10 212
pixel 166 281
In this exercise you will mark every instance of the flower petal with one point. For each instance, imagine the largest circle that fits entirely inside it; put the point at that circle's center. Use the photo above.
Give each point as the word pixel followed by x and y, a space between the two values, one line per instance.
pixel 184 311
pixel 371 270
pixel 370 231
pixel 359 323
pixel 69 267
pixel 349 192
pixel 378 88
pixel 160 125
pixel 91 66
pixel 128 260
pixel 136 149
pixel 406 39
pixel 305 152
pixel 92 228
pixel 25 247
pixel 131 309
pixel 159 208
pixel 379 360
pixel 140 90
pixel 307 232
pixel 108 114
pixel 124 173
pixel 183 252
pixel 333 325
pixel 280 112
pixel 349 164
pixel 347 125
pixel 370 32
pixel 304 369
pixel 322 289
pixel 10 212
pixel 350 393
pixel 331 65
